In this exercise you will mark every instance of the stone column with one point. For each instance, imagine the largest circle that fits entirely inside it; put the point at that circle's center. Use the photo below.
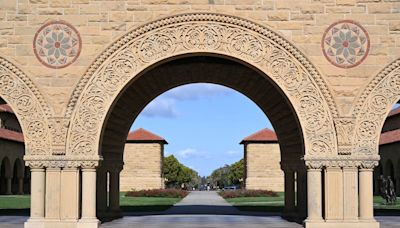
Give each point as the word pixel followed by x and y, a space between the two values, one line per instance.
pixel 88 219
pixel 366 194
pixel 38 184
pixel 302 192
pixel 53 193
pixel 101 193
pixel 350 193
pixel 114 207
pixel 21 186
pixel 333 193
pixel 289 193
pixel 69 210
pixel 314 194
pixel 8 185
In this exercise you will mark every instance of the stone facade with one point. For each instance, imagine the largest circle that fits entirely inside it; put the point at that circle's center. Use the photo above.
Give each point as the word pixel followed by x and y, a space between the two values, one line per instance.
pixel 78 72
pixel 143 161
pixel 262 162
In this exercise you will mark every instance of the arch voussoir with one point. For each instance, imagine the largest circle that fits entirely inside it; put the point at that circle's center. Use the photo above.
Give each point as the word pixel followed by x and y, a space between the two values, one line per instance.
pixel 202 33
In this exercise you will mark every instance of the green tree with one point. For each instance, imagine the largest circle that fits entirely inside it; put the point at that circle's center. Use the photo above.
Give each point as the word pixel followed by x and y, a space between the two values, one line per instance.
pixel 177 174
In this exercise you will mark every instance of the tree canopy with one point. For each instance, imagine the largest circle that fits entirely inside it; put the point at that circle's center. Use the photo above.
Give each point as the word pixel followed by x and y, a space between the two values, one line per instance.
pixel 176 174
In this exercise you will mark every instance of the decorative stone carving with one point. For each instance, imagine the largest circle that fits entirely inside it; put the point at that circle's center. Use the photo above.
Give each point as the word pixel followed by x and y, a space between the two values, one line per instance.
pixel 29 106
pixel 58 128
pixel 342 162
pixel 345 134
pixel 214 33
pixel 373 106
pixel 345 44
pixel 57 44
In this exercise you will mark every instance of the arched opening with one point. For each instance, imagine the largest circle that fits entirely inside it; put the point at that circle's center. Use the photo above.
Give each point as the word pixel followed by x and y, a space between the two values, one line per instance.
pixel 210 69
pixel 5 174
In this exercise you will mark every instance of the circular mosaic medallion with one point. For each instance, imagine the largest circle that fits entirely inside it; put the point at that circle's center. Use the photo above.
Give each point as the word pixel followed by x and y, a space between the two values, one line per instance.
pixel 57 44
pixel 345 44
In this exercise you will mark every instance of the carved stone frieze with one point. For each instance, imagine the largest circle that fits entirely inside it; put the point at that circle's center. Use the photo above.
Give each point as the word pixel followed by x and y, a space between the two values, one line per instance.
pixel 62 161
pixel 373 106
pixel 254 44
pixel 342 161
pixel 29 106
pixel 58 129
pixel 345 133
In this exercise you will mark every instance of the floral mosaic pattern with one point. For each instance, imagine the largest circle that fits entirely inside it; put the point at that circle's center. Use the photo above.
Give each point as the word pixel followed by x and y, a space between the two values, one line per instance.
pixel 57 44
pixel 345 44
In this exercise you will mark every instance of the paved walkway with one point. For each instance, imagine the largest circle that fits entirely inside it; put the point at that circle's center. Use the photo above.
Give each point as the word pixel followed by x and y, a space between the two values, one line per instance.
pixel 199 210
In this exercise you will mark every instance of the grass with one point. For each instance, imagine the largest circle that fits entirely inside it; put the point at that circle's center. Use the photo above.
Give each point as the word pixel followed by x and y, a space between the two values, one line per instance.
pixel 259 204
pixel 146 204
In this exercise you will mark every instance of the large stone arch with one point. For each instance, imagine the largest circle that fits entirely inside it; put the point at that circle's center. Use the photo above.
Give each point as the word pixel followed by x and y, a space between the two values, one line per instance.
pixel 28 104
pixel 372 108
pixel 197 34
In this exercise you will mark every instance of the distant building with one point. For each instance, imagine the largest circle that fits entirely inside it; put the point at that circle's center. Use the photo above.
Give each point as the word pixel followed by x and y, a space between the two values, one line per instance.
pixel 143 161
pixel 389 150
pixel 262 161
pixel 14 177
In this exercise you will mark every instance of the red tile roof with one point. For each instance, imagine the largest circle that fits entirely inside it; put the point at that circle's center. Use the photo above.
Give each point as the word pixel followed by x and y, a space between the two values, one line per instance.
pixel 142 135
pixel 264 135
pixel 5 108
pixel 394 112
pixel 390 137
pixel 11 135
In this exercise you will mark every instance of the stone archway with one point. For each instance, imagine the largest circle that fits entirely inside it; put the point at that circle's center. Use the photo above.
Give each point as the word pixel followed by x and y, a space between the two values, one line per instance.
pixel 29 106
pixel 372 108
pixel 324 135
pixel 255 45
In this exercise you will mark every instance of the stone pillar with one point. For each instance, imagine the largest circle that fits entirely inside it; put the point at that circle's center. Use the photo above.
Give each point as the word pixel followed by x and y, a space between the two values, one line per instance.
pixel 69 210
pixel 53 190
pixel 38 181
pixel 114 207
pixel 21 186
pixel 289 209
pixel 8 185
pixel 350 193
pixel 88 219
pixel 101 192
pixel 314 195
pixel 333 193
pixel 301 193
pixel 366 194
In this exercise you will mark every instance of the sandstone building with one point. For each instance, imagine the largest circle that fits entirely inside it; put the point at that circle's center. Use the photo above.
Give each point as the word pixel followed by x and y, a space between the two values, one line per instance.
pixel 78 72
pixel 262 161
pixel 143 161
pixel 389 150
pixel 14 177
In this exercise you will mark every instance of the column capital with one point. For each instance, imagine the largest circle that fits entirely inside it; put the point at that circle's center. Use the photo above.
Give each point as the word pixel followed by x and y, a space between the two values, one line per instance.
pixel 314 165
pixel 368 165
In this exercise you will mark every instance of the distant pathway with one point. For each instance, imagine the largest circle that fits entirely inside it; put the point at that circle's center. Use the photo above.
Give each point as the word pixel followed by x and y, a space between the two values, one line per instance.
pixel 199 210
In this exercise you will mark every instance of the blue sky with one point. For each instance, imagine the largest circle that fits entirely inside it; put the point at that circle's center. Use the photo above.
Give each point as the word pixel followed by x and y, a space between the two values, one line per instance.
pixel 203 124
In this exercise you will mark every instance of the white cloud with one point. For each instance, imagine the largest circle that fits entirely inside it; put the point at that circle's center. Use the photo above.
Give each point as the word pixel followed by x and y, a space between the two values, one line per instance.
pixel 165 105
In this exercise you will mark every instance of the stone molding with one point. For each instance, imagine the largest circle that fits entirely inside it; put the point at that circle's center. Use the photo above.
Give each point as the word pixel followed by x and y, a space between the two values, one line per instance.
pixel 343 162
pixel 62 162
pixel 224 35
pixel 29 106
pixel 373 106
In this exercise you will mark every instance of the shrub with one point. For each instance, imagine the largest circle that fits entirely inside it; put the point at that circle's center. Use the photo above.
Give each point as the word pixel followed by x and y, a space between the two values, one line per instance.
pixel 247 193
pixel 167 193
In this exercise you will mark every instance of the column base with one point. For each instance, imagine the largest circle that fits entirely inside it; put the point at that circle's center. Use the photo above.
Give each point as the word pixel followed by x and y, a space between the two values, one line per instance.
pixel 88 223
pixel 341 224
pixel 49 223
pixel 34 223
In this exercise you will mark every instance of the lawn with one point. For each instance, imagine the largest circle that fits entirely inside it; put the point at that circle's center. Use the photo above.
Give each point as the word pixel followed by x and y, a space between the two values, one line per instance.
pixel 267 204
pixel 142 204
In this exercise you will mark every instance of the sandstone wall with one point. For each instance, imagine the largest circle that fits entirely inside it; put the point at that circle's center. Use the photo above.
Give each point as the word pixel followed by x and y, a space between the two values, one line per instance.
pixel 142 167
pixel 99 22
pixel 263 169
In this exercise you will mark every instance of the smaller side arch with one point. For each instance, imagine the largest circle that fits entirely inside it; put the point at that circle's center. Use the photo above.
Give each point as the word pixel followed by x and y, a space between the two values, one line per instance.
pixel 28 104
pixel 372 108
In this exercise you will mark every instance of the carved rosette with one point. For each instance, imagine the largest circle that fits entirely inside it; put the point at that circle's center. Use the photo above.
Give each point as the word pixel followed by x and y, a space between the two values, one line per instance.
pixel 28 105
pixel 212 33
pixel 373 106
